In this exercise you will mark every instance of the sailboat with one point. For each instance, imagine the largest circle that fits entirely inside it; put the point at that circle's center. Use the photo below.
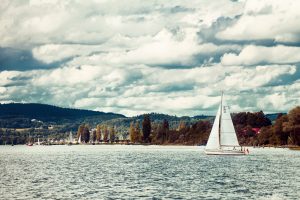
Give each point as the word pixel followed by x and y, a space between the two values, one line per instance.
pixel 29 142
pixel 79 139
pixel 222 139
pixel 70 138
pixel 38 142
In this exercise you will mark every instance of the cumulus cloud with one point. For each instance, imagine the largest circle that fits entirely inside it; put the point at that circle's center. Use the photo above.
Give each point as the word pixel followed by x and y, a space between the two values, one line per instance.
pixel 154 56
pixel 266 20
pixel 253 55
pixel 50 53
pixel 142 88
pixel 164 50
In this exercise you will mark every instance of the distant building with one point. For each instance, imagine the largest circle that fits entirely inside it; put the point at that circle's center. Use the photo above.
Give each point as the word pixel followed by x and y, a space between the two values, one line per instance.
pixel 50 127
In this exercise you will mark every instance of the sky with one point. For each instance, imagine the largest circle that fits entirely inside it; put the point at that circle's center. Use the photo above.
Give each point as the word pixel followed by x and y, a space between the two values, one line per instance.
pixel 133 57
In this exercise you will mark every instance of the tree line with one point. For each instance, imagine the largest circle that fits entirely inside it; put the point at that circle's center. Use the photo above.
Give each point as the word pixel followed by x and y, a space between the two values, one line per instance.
pixel 285 130
pixel 102 133
pixel 252 129
pixel 160 133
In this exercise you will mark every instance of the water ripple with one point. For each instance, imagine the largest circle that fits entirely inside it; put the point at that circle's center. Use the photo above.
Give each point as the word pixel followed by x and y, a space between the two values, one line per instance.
pixel 146 172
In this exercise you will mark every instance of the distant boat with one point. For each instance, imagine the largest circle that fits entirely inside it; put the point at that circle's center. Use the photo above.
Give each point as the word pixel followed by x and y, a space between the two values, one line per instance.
pixel 29 141
pixel 70 138
pixel 222 139
pixel 79 139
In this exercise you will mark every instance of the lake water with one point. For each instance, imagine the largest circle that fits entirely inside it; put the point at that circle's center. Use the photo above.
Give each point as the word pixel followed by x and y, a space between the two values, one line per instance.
pixel 146 172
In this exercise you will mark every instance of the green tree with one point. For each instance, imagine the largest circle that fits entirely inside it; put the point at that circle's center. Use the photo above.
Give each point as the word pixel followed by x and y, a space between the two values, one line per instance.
pixel 146 128
pixel 86 134
pixel 94 136
pixel 112 134
pixel 166 128
pixel 132 135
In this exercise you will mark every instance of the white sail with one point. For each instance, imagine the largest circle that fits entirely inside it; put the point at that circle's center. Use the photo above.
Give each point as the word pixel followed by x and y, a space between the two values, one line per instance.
pixel 213 140
pixel 38 143
pixel 228 134
pixel 79 139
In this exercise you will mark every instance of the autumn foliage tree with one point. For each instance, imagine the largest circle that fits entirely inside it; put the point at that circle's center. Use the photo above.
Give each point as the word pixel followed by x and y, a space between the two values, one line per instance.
pixel 80 130
pixel 285 131
pixel 257 119
pixel 112 134
pixel 105 133
pixel 98 133
pixel 134 132
pixel 292 126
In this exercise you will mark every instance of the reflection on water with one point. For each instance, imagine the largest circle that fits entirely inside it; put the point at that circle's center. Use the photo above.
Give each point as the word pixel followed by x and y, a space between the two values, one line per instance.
pixel 146 172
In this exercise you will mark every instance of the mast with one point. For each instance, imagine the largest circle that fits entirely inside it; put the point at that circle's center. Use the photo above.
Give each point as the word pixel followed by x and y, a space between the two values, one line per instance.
pixel 220 121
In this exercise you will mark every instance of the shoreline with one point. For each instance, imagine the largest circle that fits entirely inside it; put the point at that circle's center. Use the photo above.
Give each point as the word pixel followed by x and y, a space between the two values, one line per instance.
pixel 291 147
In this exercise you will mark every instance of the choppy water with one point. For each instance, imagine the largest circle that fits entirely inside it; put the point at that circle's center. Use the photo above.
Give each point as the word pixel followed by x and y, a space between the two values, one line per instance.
pixel 146 172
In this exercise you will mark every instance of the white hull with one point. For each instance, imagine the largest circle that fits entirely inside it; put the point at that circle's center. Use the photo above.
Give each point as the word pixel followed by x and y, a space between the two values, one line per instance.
pixel 225 152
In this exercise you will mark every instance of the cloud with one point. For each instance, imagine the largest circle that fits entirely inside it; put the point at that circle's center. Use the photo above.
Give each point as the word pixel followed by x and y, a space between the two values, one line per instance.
pixel 143 88
pixel 50 53
pixel 254 55
pixel 19 59
pixel 165 49
pixel 266 20
pixel 154 56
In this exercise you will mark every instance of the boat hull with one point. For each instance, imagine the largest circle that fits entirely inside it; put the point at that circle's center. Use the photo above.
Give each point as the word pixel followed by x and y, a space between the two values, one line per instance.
pixel 225 152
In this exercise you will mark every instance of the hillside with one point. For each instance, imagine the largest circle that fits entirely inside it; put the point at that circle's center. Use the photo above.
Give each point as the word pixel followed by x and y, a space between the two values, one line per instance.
pixel 18 115
pixel 124 123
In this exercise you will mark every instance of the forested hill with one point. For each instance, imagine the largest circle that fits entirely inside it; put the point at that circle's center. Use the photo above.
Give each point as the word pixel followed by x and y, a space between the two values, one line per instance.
pixel 157 118
pixel 49 113
pixel 173 120
pixel 18 115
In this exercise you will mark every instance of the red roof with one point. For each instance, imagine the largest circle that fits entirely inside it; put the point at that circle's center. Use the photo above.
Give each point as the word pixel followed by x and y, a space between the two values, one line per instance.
pixel 256 130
